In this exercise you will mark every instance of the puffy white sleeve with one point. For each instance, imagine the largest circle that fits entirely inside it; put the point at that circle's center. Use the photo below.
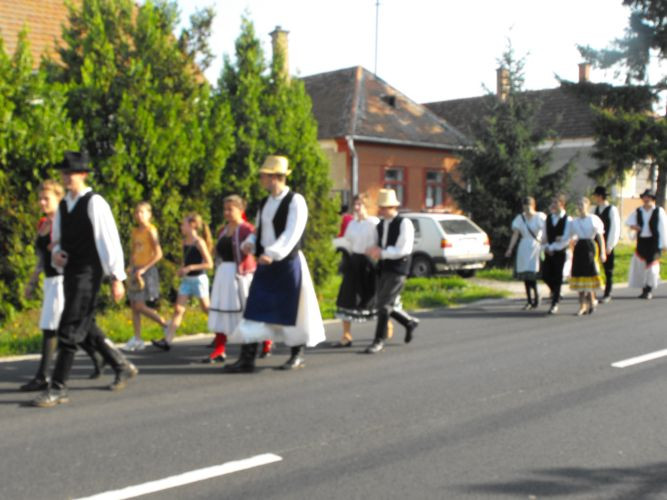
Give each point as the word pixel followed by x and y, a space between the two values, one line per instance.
pixel 614 234
pixel 55 238
pixel 297 216
pixel 598 225
pixel 517 223
pixel 662 229
pixel 107 239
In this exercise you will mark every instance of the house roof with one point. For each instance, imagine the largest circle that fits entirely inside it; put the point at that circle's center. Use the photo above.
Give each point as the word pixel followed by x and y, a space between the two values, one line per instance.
pixel 43 18
pixel 354 102
pixel 559 110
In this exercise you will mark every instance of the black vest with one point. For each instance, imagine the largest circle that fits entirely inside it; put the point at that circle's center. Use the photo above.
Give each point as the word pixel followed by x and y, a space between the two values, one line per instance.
pixel 399 266
pixel 553 231
pixel 652 223
pixel 604 217
pixel 279 222
pixel 77 237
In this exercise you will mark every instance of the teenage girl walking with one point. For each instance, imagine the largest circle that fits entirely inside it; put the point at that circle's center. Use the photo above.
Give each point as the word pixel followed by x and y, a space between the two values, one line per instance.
pixel 194 281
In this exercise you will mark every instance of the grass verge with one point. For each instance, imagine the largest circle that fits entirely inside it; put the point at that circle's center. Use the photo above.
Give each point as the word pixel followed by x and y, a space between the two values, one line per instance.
pixel 20 335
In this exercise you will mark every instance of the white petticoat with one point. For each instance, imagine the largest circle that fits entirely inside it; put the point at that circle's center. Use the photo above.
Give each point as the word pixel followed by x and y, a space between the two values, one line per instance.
pixel 642 275
pixel 52 303
pixel 309 328
pixel 228 298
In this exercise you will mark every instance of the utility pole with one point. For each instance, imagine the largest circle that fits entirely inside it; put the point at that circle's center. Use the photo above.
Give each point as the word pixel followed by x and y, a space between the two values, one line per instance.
pixel 377 18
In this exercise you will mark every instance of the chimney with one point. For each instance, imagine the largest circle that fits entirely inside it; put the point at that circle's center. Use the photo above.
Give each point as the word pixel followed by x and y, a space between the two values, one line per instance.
pixel 280 46
pixel 584 72
pixel 502 83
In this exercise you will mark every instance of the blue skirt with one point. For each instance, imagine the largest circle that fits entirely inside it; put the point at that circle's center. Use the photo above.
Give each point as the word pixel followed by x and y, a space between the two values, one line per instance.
pixel 274 293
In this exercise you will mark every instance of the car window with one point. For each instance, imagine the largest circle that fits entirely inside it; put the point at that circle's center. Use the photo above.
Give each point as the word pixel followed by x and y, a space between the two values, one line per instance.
pixel 415 224
pixel 458 226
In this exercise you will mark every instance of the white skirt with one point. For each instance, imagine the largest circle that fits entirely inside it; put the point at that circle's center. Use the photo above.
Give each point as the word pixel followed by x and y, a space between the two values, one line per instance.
pixel 52 303
pixel 228 298
pixel 309 328
pixel 642 275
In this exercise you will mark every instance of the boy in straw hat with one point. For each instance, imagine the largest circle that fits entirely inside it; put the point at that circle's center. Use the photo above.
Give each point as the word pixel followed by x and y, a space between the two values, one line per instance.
pixel 281 300
pixel 649 224
pixel 396 238
pixel 87 246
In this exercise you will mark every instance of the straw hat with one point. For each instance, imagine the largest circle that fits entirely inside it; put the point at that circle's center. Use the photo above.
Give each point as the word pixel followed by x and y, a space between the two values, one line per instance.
pixel 275 165
pixel 387 198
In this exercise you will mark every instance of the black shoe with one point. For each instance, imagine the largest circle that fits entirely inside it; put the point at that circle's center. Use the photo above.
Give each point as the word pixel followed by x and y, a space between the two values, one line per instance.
pixel 296 360
pixel 342 343
pixel 375 347
pixel 606 299
pixel 161 344
pixel 53 396
pixel 208 360
pixel 36 384
pixel 553 309
pixel 649 295
pixel 125 373
pixel 414 323
pixel 97 371
pixel 246 361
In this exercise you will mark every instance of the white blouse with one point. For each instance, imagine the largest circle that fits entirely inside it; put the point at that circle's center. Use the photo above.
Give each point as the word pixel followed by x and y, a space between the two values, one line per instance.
pixel 360 235
pixel 586 228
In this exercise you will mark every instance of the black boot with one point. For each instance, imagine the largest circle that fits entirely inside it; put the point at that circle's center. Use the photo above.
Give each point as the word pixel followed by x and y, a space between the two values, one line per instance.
pixel 646 291
pixel 407 321
pixel 40 381
pixel 98 361
pixel 296 359
pixel 55 395
pixel 57 392
pixel 380 333
pixel 124 369
pixel 246 361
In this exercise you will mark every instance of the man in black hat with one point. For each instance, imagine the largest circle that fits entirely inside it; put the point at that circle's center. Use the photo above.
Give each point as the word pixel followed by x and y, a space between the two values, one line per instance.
pixel 555 242
pixel 608 213
pixel 649 224
pixel 87 246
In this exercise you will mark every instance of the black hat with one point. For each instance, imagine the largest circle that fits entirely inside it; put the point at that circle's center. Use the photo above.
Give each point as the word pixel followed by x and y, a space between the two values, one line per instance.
pixel 75 161
pixel 649 193
pixel 600 191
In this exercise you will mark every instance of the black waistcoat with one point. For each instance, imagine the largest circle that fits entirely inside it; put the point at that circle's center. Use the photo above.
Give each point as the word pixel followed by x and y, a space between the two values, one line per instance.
pixel 652 223
pixel 77 237
pixel 605 217
pixel 402 265
pixel 279 222
pixel 553 231
pixel 42 246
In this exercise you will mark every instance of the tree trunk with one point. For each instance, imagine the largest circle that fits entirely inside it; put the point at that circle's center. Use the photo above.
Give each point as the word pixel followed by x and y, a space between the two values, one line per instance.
pixel 661 184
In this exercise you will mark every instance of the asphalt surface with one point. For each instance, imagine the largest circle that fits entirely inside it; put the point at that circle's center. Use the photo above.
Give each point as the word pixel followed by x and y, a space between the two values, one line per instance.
pixel 487 402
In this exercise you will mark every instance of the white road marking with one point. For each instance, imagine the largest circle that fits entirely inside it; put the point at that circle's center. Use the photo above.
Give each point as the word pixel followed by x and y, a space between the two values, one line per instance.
pixel 186 478
pixel 640 359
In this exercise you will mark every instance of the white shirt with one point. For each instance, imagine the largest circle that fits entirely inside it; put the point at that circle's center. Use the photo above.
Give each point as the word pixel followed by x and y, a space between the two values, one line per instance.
pixel 646 230
pixel 564 241
pixel 297 216
pixel 613 235
pixel 105 232
pixel 404 242
pixel 360 235
pixel 586 228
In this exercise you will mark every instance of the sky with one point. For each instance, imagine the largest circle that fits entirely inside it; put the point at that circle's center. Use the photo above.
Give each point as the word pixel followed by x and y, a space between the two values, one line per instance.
pixel 430 50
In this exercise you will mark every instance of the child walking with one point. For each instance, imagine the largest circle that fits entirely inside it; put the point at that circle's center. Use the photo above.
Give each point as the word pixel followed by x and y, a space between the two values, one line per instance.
pixel 194 281
pixel 143 278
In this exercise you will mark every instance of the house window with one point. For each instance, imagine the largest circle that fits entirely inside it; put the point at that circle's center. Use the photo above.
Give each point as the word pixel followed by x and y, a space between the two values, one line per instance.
pixel 394 178
pixel 435 188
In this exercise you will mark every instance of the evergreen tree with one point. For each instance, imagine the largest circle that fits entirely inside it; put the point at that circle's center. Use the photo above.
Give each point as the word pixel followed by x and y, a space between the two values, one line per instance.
pixel 504 164
pixel 34 133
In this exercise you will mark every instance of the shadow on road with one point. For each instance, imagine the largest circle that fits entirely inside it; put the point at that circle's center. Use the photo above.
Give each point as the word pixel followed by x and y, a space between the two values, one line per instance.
pixel 643 481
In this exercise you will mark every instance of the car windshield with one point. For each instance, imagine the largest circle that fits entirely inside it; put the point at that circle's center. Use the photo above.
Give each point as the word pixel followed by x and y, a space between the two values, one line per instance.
pixel 458 226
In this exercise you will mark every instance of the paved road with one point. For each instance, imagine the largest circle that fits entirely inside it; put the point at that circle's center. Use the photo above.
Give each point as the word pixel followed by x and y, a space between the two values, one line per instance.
pixel 487 402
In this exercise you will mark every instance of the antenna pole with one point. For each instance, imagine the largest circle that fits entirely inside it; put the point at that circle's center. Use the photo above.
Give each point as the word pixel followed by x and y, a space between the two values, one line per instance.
pixel 377 18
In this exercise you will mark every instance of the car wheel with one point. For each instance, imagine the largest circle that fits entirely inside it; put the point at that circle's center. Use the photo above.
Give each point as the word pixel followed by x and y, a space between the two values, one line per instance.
pixel 466 273
pixel 421 267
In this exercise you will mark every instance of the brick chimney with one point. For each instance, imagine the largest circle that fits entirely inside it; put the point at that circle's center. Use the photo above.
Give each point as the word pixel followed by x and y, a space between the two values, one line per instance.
pixel 502 83
pixel 584 72
pixel 280 45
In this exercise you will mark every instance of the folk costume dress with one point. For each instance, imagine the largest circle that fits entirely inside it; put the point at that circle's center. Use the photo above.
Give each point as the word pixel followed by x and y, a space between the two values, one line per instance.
pixel 586 274
pixel 356 296
pixel 231 283
pixel 527 262
pixel 645 263
pixel 282 304
pixel 555 240
pixel 611 220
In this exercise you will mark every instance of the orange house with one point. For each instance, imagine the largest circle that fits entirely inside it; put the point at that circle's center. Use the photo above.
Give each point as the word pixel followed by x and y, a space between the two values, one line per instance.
pixel 376 137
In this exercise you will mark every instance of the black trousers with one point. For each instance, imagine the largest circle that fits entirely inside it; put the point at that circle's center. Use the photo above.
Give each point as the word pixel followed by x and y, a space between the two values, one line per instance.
pixel 77 324
pixel 609 273
pixel 389 287
pixel 552 273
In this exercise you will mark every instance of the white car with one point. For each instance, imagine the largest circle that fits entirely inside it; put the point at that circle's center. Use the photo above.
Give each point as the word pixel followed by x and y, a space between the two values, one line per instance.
pixel 447 242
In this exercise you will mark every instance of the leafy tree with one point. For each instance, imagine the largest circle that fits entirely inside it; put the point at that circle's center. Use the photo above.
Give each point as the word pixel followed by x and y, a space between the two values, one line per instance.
pixel 626 130
pixel 150 125
pixel 34 133
pixel 504 164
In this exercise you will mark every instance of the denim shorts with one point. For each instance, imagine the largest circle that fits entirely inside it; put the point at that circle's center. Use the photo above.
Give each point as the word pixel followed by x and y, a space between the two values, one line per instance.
pixel 194 286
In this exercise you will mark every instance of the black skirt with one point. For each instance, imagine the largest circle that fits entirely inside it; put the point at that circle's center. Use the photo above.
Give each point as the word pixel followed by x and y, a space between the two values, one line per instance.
pixel 356 296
